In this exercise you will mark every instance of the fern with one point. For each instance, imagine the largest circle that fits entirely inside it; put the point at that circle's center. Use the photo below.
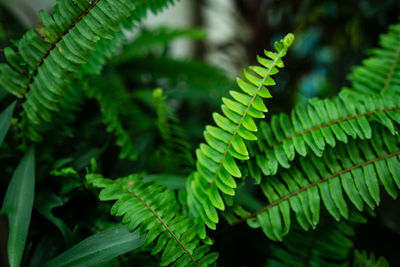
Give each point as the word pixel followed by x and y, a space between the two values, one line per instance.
pixel 329 245
pixel 357 168
pixel 70 104
pixel 176 154
pixel 45 64
pixel 362 259
pixel 154 210
pixel 380 73
pixel 112 103
pixel 216 165
pixel 311 127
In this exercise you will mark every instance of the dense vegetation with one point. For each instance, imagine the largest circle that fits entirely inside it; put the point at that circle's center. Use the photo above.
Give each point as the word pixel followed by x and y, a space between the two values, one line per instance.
pixel 114 153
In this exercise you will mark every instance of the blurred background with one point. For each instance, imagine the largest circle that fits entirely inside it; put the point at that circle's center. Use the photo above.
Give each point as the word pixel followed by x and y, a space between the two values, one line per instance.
pixel 208 44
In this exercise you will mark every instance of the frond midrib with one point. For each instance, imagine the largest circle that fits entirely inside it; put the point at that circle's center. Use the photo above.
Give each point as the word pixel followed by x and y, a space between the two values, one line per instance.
pixel 245 114
pixel 165 225
pixel 295 193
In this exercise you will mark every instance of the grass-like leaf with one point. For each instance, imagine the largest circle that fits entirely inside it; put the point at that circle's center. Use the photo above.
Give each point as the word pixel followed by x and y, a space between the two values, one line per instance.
pixel 18 204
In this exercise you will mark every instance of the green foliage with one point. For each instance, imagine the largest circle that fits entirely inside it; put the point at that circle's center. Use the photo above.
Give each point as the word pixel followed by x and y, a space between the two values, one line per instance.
pixel 216 165
pixel 356 169
pixel 18 203
pixel 322 122
pixel 175 154
pixel 99 248
pixel 111 104
pixel 332 157
pixel 5 119
pixel 48 61
pixel 154 210
pixel 329 245
pixel 380 72
pixel 361 259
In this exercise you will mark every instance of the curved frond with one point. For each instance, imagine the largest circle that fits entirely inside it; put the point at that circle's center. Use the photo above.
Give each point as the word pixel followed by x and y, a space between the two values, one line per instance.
pixel 348 174
pixel 154 211
pixel 320 123
pixel 216 160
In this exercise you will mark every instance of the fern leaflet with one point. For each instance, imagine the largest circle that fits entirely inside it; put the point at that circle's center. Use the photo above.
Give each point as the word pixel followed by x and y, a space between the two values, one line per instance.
pixel 154 210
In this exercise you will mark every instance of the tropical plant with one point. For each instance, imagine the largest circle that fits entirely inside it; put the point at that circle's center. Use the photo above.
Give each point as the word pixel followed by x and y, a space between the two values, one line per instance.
pixel 324 164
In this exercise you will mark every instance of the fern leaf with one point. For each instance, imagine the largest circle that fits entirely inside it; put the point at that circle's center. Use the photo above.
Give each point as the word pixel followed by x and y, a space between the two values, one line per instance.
pixel 381 71
pixel 362 259
pixel 176 147
pixel 351 172
pixel 70 104
pixel 329 245
pixel 216 164
pixel 112 105
pixel 320 123
pixel 154 210
pixel 45 65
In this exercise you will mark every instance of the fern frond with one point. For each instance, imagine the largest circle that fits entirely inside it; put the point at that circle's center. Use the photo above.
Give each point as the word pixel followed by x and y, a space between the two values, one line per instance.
pixel 70 104
pixel 381 71
pixel 153 209
pixel 358 168
pixel 362 259
pixel 112 104
pixel 329 245
pixel 105 50
pixel 177 154
pixel 322 122
pixel 216 165
pixel 45 65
